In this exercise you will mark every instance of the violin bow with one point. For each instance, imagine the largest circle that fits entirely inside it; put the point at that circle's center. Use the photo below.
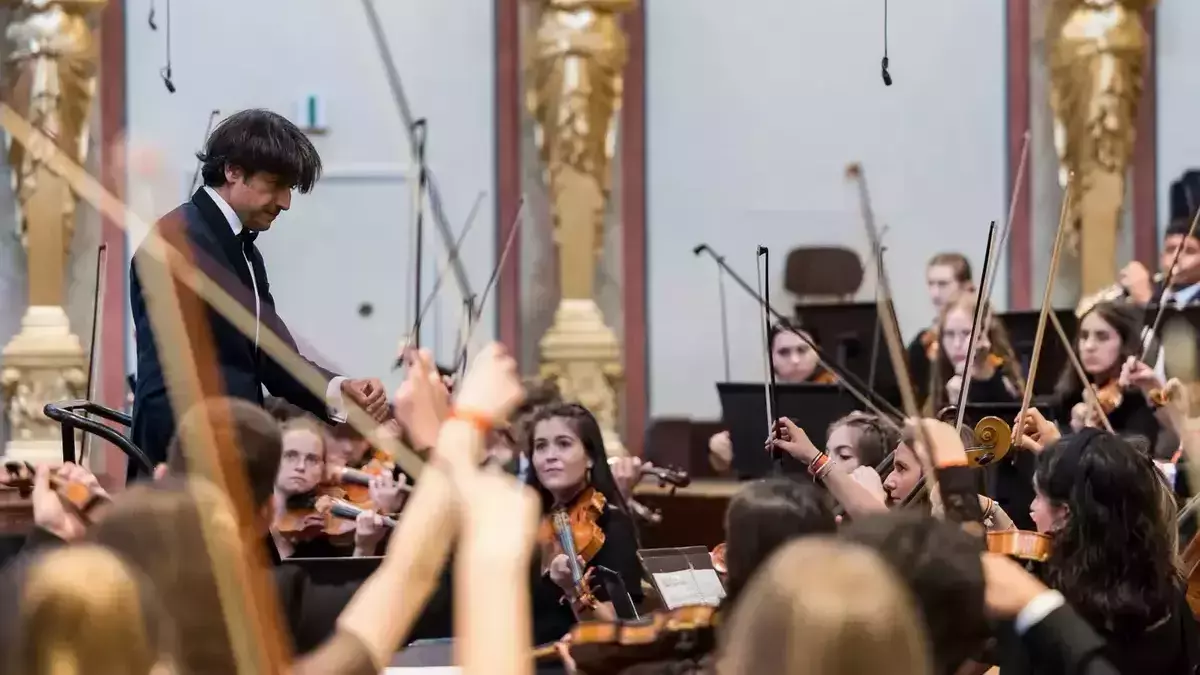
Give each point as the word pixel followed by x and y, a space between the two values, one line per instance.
pixel 93 382
pixel 212 118
pixel 762 262
pixel 1077 366
pixel 1151 337
pixel 452 255
pixel 887 312
pixel 472 314
pixel 977 322
pixel 1051 273
pixel 396 87
pixel 846 379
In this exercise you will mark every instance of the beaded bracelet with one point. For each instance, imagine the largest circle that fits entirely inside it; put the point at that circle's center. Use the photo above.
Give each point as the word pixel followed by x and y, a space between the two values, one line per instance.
pixel 825 470
pixel 817 464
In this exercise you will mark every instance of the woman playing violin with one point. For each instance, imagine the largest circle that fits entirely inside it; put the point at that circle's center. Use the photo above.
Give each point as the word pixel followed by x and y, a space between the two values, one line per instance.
pixel 298 488
pixel 995 375
pixel 570 473
pixel 1111 522
pixel 1109 334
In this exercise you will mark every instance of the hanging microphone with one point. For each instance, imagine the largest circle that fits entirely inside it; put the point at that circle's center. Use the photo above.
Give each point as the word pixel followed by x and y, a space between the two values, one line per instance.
pixel 165 73
pixel 700 249
pixel 150 19
pixel 887 77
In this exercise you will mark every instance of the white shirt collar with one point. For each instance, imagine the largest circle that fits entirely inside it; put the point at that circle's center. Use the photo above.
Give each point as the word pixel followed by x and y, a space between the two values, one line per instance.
pixel 235 223
pixel 1185 295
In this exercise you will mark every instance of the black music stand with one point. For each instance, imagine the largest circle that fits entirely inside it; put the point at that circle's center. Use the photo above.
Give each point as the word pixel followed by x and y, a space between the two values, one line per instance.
pixel 813 407
pixel 846 333
pixel 683 576
pixel 1022 331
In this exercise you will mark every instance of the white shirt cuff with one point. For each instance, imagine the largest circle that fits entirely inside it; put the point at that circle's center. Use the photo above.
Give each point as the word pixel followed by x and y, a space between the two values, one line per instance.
pixel 333 399
pixel 1037 609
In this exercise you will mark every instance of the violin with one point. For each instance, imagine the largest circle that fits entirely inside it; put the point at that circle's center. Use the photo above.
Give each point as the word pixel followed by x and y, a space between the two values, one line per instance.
pixel 993 438
pixel 79 497
pixel 323 513
pixel 676 478
pixel 609 647
pixel 1110 396
pixel 356 483
pixel 1020 544
pixel 574 531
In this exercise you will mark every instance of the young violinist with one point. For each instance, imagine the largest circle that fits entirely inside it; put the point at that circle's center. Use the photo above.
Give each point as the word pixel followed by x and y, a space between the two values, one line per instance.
pixel 794 362
pixel 994 372
pixel 1109 335
pixel 946 275
pixel 572 478
pixel 299 529
pixel 860 439
pixel 1112 527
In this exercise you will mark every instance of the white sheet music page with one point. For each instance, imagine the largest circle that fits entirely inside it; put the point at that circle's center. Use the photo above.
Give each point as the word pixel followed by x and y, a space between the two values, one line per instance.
pixel 689 587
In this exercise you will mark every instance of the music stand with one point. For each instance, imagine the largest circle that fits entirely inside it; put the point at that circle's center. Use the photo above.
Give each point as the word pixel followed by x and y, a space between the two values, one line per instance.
pixel 1007 411
pixel 683 576
pixel 846 332
pixel 1022 331
pixel 813 407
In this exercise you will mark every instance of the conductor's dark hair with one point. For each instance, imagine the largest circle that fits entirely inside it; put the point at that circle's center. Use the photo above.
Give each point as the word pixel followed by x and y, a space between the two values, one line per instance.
pixel 260 141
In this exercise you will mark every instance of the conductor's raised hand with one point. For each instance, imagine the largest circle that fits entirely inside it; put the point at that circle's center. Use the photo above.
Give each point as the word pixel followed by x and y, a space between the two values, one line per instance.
pixel 491 388
pixel 792 440
pixel 369 394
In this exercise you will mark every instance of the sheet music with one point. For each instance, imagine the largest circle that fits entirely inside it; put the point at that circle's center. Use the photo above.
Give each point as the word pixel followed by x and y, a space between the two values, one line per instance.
pixel 689 587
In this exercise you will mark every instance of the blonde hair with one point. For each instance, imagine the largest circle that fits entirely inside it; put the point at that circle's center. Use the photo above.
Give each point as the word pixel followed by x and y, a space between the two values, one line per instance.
pixel 83 612
pixel 820 606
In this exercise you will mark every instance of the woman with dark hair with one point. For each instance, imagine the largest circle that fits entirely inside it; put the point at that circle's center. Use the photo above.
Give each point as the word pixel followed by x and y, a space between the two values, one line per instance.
pixel 569 464
pixel 1109 334
pixel 762 517
pixel 1110 518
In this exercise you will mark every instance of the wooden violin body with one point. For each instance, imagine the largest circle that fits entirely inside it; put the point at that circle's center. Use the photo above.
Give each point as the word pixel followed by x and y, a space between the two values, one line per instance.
pixel 310 516
pixel 1020 544
pixel 603 647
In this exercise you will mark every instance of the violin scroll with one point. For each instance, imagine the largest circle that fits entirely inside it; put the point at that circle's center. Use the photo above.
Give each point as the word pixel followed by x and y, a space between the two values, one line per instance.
pixel 993 438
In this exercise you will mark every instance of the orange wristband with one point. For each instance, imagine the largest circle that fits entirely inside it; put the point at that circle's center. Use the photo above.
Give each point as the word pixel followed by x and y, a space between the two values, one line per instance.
pixel 476 419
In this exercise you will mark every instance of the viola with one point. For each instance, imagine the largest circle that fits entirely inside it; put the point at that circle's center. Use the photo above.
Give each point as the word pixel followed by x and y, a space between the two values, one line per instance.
pixel 79 497
pixel 609 647
pixel 574 531
pixel 1020 544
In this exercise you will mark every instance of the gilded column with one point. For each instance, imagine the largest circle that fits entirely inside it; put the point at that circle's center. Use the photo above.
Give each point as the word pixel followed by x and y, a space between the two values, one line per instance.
pixel 51 82
pixel 1097 55
pixel 573 85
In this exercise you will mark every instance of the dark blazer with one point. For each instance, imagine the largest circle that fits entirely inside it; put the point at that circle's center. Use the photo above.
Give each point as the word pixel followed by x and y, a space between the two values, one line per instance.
pixel 200 230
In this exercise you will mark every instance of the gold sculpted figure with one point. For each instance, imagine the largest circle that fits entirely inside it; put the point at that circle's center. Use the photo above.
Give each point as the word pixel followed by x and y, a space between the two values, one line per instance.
pixel 1097 58
pixel 573 92
pixel 51 82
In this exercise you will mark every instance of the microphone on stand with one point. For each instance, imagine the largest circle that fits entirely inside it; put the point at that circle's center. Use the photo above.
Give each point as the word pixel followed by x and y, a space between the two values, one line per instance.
pixel 724 313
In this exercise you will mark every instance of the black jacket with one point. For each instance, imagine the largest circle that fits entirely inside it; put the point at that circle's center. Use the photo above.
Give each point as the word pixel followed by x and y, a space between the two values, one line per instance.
pixel 200 230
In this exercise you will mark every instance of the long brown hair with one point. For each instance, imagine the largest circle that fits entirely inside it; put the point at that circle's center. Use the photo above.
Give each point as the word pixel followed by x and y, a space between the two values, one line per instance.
pixel 83 610
pixel 941 370
pixel 1126 320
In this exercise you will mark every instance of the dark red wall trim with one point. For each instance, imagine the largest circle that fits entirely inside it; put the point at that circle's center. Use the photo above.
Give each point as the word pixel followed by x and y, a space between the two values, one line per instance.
pixel 633 219
pixel 1020 279
pixel 112 129
pixel 1145 156
pixel 508 167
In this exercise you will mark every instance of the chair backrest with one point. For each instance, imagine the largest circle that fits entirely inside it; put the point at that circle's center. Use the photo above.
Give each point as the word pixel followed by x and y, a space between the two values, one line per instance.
pixel 820 273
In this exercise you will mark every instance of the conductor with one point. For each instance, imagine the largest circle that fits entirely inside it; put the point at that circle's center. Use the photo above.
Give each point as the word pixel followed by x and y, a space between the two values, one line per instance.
pixel 251 164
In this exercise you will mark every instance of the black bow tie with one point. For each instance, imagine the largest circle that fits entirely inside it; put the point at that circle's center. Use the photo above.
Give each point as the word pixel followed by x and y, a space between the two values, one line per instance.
pixel 246 239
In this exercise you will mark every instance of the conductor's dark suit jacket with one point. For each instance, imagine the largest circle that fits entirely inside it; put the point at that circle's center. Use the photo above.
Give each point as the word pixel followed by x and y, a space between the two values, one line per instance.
pixel 199 229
